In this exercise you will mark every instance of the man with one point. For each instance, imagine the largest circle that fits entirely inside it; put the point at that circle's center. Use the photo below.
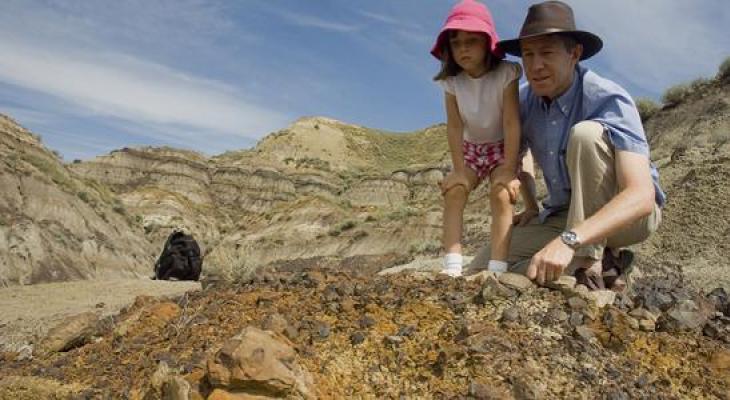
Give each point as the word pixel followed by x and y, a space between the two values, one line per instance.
pixel 586 135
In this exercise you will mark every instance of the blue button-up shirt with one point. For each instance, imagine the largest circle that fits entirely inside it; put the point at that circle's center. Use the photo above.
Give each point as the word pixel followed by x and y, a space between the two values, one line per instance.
pixel 546 127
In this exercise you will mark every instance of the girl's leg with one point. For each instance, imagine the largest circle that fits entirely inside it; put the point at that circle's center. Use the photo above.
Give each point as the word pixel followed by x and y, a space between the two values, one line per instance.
pixel 502 211
pixel 454 203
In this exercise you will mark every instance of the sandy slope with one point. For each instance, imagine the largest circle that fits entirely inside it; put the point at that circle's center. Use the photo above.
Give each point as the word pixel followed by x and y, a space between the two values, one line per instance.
pixel 28 312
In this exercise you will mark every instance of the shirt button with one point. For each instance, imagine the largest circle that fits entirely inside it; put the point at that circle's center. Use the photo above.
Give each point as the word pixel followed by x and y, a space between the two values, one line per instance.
pixel 554 122
pixel 552 153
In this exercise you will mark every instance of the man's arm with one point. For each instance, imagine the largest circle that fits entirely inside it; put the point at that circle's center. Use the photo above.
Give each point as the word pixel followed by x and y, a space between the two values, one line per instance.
pixel 634 201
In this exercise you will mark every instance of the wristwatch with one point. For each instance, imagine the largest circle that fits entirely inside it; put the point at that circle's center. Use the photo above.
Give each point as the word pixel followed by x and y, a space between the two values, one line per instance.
pixel 570 239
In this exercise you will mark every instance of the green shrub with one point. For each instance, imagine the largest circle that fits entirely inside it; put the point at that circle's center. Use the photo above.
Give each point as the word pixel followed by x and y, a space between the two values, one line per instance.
pixel 647 108
pixel 676 94
pixel 84 196
pixel 347 225
pixel 430 247
pixel 724 71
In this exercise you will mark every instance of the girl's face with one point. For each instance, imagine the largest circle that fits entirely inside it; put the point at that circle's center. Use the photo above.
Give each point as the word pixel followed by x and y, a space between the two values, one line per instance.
pixel 469 50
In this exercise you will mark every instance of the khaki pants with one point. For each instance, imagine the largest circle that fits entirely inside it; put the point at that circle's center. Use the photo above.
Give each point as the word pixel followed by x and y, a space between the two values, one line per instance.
pixel 591 165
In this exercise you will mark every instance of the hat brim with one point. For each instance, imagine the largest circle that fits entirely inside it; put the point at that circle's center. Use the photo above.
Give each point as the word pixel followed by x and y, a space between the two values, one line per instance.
pixel 468 26
pixel 591 43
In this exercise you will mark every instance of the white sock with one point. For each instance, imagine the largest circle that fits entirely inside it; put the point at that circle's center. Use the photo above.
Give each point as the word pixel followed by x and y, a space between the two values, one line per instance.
pixel 497 266
pixel 453 261
pixel 453 264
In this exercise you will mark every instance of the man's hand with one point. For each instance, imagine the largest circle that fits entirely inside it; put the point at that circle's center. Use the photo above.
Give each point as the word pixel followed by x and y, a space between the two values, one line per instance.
pixel 455 178
pixel 525 217
pixel 550 262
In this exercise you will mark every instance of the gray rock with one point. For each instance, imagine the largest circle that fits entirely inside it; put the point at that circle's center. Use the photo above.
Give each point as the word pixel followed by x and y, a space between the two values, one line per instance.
pixel 25 352
pixel 510 314
pixel 642 313
pixel 576 319
pixel 73 332
pixel 357 338
pixel 557 315
pixel 647 325
pixel 577 303
pixel 564 283
pixel 493 290
pixel 518 282
pixel 601 298
pixel 585 333
pixel 685 316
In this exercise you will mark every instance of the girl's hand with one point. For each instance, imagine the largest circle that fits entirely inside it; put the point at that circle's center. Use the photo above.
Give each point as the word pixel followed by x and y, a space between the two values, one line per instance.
pixel 455 178
pixel 525 217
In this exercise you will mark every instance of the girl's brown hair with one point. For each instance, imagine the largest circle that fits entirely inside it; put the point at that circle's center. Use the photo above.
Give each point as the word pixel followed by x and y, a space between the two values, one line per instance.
pixel 449 67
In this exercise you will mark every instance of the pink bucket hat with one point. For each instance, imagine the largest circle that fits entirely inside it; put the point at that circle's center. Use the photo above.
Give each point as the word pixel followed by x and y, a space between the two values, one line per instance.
pixel 470 16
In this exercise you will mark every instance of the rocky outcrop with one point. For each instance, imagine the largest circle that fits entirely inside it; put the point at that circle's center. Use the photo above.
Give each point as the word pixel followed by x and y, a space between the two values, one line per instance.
pixel 55 225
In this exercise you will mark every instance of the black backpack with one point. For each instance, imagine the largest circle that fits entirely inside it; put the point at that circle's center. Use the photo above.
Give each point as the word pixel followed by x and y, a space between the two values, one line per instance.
pixel 180 258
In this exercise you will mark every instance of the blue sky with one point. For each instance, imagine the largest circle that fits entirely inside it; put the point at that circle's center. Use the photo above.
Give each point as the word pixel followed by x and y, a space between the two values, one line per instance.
pixel 91 76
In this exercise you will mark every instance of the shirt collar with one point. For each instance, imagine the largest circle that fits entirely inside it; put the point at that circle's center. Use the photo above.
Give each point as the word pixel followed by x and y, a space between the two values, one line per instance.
pixel 565 101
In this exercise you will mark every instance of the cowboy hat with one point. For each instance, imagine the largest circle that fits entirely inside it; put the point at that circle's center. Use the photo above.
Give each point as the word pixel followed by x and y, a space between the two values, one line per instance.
pixel 551 17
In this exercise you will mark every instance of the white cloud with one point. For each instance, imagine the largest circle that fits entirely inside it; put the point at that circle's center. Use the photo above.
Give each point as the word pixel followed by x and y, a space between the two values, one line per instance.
pixel 128 88
pixel 311 21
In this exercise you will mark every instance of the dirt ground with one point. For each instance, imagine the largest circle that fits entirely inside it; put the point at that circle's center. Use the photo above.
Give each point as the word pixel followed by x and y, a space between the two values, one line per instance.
pixel 28 312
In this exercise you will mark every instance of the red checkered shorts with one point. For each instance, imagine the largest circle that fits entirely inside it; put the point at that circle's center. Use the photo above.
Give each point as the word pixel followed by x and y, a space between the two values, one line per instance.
pixel 482 158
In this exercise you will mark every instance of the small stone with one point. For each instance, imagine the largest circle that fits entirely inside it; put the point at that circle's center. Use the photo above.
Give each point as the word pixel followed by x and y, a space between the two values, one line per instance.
pixel 25 352
pixel 511 314
pixel 659 300
pixel 366 322
pixel 100 305
pixel 683 317
pixel 642 313
pixel 557 315
pixel 647 325
pixel 565 282
pixel 576 319
pixel 518 282
pixel 275 323
pixel 323 330
pixel 357 338
pixel 577 303
pixel 602 298
pixel 633 323
pixel 493 290
pixel 394 340
pixel 585 333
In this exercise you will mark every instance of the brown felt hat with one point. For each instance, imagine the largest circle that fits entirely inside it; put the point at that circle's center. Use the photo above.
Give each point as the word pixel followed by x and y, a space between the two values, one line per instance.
pixel 551 17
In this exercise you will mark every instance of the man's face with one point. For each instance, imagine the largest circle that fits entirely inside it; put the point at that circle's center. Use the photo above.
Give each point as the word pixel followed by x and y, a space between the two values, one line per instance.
pixel 549 65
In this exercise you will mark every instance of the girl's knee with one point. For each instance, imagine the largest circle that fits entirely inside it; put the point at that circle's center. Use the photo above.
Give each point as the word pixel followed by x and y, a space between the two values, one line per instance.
pixel 499 196
pixel 456 193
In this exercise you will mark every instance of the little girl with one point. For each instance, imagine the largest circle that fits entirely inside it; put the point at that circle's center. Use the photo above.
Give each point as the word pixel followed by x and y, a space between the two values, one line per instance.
pixel 483 128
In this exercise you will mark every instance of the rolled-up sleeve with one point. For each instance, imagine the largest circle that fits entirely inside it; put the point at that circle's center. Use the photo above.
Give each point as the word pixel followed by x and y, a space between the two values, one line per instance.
pixel 617 112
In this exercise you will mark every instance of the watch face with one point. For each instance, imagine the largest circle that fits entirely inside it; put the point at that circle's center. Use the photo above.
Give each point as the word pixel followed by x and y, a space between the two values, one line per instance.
pixel 569 238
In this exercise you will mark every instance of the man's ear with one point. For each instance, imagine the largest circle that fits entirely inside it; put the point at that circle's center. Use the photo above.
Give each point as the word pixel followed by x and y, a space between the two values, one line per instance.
pixel 576 53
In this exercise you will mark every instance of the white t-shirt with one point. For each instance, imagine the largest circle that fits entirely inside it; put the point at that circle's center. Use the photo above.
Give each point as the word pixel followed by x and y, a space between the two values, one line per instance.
pixel 480 101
